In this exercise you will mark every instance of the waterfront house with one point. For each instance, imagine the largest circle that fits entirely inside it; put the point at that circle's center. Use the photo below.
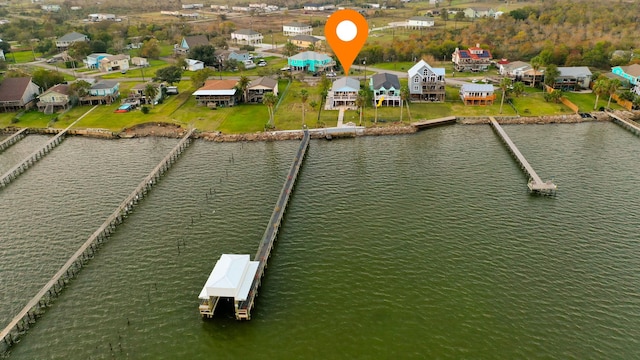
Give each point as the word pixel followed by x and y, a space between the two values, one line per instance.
pixel 477 94
pixel 296 28
pixel 305 41
pixel 55 98
pixel 114 63
pixel 573 78
pixel 311 61
pixel 189 42
pixel 102 92
pixel 17 93
pixel 420 22
pixel 343 93
pixel 92 61
pixel 216 93
pixel 631 74
pixel 259 87
pixel 426 83
pixel 137 96
pixel 385 87
pixel 472 59
pixel 247 37
pixel 62 43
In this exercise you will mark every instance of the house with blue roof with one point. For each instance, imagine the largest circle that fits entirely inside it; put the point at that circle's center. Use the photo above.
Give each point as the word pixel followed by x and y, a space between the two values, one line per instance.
pixel 311 61
pixel 630 73
pixel 92 61
pixel 426 83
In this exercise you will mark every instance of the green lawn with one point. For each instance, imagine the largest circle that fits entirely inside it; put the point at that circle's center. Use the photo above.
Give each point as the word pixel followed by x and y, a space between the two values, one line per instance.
pixel 585 102
pixel 20 57
pixel 32 119
pixel 147 72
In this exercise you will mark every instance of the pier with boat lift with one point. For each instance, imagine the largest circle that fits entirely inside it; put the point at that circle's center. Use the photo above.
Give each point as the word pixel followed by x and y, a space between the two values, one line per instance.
pixel 235 276
pixel 535 184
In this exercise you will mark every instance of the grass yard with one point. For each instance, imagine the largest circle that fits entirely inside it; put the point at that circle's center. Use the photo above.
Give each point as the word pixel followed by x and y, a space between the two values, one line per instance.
pixel 585 101
pixel 20 57
pixel 147 72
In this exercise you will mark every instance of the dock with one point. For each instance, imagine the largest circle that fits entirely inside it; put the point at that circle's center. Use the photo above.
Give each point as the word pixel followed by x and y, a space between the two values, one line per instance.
pixel 424 124
pixel 17 136
pixel 535 184
pixel 629 125
pixel 37 305
pixel 243 310
pixel 30 160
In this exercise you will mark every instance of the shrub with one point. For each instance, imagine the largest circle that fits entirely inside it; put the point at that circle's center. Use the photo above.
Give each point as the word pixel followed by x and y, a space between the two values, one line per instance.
pixel 145 109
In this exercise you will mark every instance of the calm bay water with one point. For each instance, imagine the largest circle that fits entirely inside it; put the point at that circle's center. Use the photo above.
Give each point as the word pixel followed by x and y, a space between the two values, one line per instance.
pixel 421 246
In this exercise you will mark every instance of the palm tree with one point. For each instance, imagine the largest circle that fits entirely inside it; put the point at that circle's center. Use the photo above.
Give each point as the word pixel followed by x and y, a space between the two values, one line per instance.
pixel 150 92
pixel 551 73
pixel 360 101
pixel 518 88
pixel 505 83
pixel 536 62
pixel 612 87
pixel 242 85
pixel 270 99
pixel 304 96
pixel 600 87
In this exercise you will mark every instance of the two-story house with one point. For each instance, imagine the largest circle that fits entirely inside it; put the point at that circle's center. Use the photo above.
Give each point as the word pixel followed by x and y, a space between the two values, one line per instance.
pixel 631 73
pixel 17 93
pixel 426 83
pixel 311 61
pixel 55 98
pixel 573 77
pixel 189 42
pixel 257 88
pixel 247 37
pixel 114 63
pixel 477 94
pixel 343 93
pixel 472 59
pixel 102 92
pixel 296 28
pixel 63 43
pixel 137 96
pixel 92 61
pixel 479 12
pixel 386 89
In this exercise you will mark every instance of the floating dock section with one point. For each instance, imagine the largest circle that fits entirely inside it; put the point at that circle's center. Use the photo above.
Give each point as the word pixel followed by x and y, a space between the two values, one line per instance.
pixel 21 134
pixel 37 305
pixel 30 160
pixel 243 309
pixel 434 122
pixel 536 185
pixel 631 126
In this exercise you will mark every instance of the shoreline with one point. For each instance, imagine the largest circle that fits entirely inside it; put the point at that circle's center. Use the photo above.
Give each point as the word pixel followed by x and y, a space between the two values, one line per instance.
pixel 176 131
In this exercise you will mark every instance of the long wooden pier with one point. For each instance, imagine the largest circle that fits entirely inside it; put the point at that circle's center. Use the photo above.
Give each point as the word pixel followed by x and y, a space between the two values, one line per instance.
pixel 625 123
pixel 535 184
pixel 30 160
pixel 243 311
pixel 17 136
pixel 36 306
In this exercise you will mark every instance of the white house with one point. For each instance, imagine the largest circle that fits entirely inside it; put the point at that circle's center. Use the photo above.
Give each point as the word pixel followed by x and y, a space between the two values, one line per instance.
pixel 68 39
pixel 102 17
pixel 296 28
pixel 420 22
pixel 247 36
pixel 194 65
pixel 477 94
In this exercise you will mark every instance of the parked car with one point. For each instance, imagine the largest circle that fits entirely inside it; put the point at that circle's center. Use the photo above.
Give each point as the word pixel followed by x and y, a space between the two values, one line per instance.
pixel 262 63
pixel 286 68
